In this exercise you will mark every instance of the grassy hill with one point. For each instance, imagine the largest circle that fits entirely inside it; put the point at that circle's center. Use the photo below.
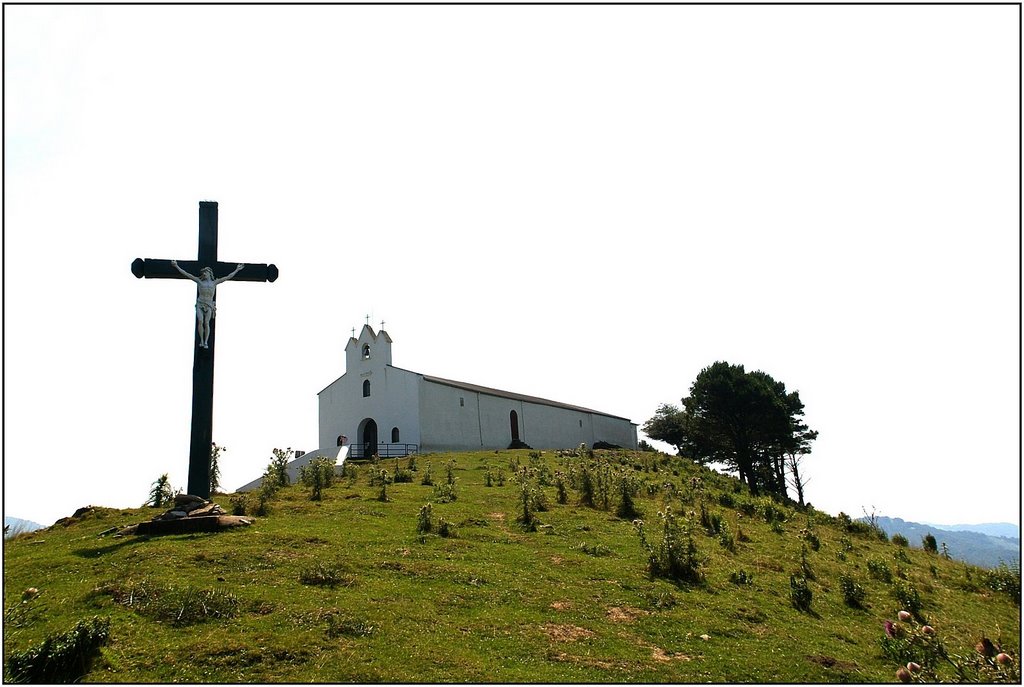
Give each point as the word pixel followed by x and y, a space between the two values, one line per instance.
pixel 347 589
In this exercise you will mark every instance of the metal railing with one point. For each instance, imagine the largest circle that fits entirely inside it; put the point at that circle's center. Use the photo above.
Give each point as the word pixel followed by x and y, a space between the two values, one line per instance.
pixel 357 452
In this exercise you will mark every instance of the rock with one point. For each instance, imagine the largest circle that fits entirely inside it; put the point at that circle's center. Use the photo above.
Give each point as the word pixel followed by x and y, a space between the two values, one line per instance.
pixel 183 499
pixel 187 525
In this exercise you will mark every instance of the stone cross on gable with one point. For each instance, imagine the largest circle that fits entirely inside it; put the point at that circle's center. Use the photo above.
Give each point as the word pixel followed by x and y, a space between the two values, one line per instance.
pixel 207 272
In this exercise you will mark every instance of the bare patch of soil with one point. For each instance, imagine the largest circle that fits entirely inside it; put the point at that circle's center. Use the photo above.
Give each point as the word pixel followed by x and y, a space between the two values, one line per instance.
pixel 624 614
pixel 565 633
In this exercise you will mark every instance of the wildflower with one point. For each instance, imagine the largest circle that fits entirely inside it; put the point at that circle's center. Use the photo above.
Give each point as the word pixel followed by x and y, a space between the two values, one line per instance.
pixel 890 629
pixel 30 593
pixel 914 667
pixel 928 630
pixel 1004 659
pixel 903 615
pixel 903 675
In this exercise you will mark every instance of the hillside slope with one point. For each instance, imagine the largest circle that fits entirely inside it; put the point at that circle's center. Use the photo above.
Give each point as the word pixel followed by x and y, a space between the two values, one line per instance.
pixel 346 589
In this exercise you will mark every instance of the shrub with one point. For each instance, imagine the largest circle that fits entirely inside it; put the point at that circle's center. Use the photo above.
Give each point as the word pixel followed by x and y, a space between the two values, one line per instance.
pixel 427 480
pixel 278 468
pixel 879 570
pixel 809 536
pixel 741 577
pixel 1004 579
pixel 899 540
pixel 425 519
pixel 675 556
pixel 627 487
pixel 563 496
pixel 725 537
pixel 907 597
pixel 748 508
pixel 799 593
pixel 445 493
pixel 318 474
pixel 929 544
pixel 725 500
pixel 586 487
pixel 445 528
pixel 853 592
pixel 61 658
pixel 527 506
pixel 160 493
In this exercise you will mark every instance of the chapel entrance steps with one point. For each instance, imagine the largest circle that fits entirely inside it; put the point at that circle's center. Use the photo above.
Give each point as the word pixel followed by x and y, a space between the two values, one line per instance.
pixel 383 451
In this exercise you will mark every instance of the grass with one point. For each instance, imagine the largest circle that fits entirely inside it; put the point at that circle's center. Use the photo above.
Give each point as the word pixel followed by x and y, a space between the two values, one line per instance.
pixel 347 589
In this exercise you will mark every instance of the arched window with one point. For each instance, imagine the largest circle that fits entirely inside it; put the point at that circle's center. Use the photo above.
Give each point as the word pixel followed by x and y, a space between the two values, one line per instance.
pixel 394 435
pixel 366 352
pixel 366 388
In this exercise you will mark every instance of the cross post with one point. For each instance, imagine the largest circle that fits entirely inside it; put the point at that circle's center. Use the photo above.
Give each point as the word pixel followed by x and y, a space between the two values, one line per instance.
pixel 202 361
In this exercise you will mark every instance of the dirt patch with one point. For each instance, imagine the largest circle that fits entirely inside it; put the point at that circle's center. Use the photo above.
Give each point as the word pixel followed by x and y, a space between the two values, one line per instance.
pixel 831 662
pixel 556 560
pixel 662 656
pixel 624 614
pixel 497 516
pixel 561 605
pixel 565 633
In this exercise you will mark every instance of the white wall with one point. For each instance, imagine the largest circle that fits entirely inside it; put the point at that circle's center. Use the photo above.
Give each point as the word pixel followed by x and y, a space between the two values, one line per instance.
pixel 456 419
pixel 393 400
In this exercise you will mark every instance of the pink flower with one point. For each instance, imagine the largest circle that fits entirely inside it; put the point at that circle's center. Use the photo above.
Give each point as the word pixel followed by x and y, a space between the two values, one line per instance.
pixel 890 629
pixel 928 630
pixel 914 667
pixel 1004 659
pixel 903 675
pixel 904 616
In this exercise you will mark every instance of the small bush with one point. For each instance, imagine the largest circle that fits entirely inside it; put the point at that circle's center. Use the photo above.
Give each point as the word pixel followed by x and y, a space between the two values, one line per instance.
pixel 908 599
pixel 929 544
pixel 445 528
pixel 563 495
pixel 445 493
pixel 317 475
pixel 748 508
pixel 61 658
pixel 899 540
pixel 427 479
pixel 853 592
pixel 675 556
pixel 1004 579
pixel 160 493
pixel 425 519
pixel 627 487
pixel 741 577
pixel 809 536
pixel 799 593
pixel 879 570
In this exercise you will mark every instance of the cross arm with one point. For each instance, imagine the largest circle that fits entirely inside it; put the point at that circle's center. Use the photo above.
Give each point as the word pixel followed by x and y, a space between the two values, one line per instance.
pixel 156 268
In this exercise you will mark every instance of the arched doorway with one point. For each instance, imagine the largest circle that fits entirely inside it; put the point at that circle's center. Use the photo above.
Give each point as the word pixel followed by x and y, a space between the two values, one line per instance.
pixel 367 437
pixel 513 420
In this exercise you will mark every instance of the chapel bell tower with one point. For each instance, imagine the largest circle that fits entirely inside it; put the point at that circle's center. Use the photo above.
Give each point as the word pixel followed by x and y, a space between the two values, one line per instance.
pixel 371 350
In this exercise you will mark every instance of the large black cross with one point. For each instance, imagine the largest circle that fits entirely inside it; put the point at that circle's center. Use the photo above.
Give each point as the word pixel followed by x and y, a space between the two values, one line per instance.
pixel 202 362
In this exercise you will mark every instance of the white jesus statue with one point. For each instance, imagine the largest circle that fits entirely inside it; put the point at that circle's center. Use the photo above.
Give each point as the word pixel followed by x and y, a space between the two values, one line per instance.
pixel 205 307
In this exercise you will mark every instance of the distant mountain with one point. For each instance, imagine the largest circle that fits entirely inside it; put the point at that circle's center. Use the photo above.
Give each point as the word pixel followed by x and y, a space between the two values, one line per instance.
pixel 993 529
pixel 17 525
pixel 976 548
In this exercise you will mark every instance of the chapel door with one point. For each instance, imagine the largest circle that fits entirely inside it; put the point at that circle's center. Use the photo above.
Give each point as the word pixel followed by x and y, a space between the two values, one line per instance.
pixel 369 439
pixel 513 420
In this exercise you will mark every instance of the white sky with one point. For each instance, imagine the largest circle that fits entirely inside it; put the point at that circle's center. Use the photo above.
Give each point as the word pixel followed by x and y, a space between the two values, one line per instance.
pixel 588 204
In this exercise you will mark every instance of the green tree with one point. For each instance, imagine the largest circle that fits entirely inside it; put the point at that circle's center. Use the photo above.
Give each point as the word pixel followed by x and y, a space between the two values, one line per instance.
pixel 667 425
pixel 744 421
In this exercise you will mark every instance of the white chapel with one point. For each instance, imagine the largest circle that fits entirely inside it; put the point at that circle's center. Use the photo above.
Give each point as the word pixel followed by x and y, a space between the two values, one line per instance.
pixel 383 409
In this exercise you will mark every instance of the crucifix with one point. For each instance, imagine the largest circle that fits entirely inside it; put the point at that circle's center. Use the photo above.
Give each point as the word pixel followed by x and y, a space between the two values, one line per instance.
pixel 207 272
